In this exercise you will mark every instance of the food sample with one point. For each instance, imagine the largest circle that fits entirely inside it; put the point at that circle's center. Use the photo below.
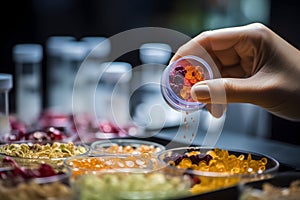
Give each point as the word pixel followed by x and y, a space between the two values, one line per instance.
pixel 44 151
pixel 154 185
pixel 44 134
pixel 126 146
pixel 128 149
pixel 51 153
pixel 35 191
pixel 84 165
pixel 217 160
pixel 15 172
pixel 35 183
pixel 179 77
pixel 271 192
pixel 215 168
pixel 37 132
pixel 90 129
pixel 182 78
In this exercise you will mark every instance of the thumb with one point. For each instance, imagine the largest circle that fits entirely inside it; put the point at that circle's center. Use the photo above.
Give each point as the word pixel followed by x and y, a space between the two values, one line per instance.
pixel 223 90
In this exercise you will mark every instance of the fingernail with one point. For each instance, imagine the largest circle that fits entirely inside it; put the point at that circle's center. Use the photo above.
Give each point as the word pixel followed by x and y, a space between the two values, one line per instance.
pixel 200 92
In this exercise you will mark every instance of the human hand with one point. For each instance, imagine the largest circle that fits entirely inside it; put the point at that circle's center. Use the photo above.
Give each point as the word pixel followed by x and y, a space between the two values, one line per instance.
pixel 256 66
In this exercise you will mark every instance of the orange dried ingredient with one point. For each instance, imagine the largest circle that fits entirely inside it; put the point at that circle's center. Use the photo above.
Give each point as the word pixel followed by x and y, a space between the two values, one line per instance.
pixel 88 164
pixel 193 75
pixel 222 161
pixel 128 149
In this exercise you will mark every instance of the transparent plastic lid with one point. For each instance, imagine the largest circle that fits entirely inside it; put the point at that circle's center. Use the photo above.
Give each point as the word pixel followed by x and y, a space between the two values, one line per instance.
pixel 27 53
pixel 116 72
pixel 74 50
pixel 99 47
pixel 54 44
pixel 178 79
pixel 155 53
pixel 6 81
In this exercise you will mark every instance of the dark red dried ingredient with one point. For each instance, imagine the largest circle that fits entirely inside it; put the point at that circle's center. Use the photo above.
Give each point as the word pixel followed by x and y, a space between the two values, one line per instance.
pixel 21 173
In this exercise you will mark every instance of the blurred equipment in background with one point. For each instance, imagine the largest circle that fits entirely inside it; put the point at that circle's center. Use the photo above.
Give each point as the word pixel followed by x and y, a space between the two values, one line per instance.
pixel 243 118
pixel 89 75
pixel 152 112
pixel 27 58
pixel 98 47
pixel 71 55
pixel 112 96
pixel 6 83
pixel 56 71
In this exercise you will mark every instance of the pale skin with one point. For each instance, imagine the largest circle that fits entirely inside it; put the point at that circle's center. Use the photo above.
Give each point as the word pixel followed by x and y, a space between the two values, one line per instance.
pixel 256 65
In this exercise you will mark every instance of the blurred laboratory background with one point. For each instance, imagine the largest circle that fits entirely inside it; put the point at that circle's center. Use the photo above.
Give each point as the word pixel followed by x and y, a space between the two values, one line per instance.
pixel 33 32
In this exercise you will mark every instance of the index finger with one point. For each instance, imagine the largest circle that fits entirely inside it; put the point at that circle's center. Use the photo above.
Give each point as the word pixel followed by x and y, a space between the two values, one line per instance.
pixel 215 40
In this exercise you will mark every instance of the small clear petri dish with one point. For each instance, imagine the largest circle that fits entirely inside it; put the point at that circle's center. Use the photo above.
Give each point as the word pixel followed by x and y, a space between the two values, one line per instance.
pixel 284 185
pixel 33 181
pixel 132 184
pixel 90 164
pixel 51 133
pixel 126 146
pixel 52 153
pixel 214 169
pixel 178 79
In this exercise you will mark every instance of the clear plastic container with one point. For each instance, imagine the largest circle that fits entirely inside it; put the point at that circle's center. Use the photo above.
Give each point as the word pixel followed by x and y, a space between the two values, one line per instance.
pixel 113 92
pixel 87 80
pixel 132 184
pixel 6 84
pixel 34 181
pixel 89 164
pixel 178 79
pixel 214 169
pixel 46 133
pixel 129 147
pixel 72 54
pixel 284 185
pixel 28 58
pixel 126 146
pixel 56 69
pixel 53 153
pixel 99 47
